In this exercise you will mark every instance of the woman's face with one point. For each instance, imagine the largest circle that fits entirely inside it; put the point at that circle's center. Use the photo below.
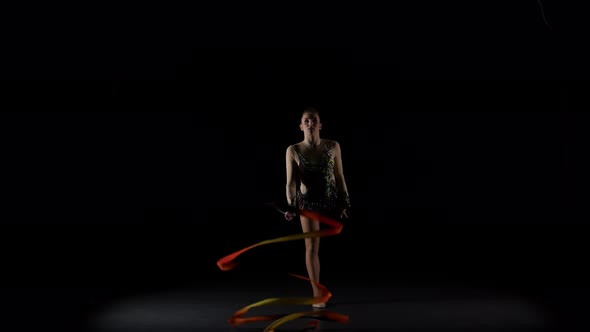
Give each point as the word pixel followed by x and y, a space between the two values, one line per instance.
pixel 310 123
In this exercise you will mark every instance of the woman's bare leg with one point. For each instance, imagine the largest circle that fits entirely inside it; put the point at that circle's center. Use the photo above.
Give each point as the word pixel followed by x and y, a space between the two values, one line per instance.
pixel 312 247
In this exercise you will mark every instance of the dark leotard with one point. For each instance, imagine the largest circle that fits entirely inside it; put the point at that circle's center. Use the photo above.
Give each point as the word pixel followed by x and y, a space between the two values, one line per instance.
pixel 318 177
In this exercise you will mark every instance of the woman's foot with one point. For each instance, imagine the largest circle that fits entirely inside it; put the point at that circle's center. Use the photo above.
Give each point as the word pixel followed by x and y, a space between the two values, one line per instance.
pixel 321 305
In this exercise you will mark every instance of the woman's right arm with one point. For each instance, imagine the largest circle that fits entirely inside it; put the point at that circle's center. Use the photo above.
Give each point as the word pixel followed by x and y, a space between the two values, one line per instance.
pixel 291 188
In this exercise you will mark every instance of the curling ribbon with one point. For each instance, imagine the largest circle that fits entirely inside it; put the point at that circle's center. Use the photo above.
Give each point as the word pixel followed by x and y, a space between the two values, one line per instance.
pixel 227 263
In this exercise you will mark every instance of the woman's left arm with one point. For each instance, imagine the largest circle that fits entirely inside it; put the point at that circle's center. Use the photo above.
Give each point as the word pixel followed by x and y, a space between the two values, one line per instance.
pixel 339 176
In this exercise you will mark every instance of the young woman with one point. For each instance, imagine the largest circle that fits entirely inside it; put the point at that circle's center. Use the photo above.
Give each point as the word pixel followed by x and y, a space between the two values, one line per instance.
pixel 315 182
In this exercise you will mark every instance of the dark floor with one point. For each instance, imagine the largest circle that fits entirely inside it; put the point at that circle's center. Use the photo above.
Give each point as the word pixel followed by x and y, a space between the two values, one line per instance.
pixel 369 307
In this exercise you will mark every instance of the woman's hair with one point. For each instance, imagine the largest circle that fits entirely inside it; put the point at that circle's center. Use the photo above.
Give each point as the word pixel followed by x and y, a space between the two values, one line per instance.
pixel 310 110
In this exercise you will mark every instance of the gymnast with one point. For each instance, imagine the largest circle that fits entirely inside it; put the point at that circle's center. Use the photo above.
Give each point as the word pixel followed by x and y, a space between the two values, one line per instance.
pixel 315 182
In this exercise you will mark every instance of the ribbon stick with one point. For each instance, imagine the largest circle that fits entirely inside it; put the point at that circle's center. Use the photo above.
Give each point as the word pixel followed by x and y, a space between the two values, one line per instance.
pixel 227 263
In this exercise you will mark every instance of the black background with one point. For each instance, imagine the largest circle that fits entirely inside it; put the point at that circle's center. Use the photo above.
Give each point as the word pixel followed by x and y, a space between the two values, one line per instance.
pixel 532 39
pixel 133 162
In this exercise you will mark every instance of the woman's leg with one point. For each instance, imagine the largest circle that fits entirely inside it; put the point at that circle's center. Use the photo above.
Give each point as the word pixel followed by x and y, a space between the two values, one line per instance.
pixel 312 247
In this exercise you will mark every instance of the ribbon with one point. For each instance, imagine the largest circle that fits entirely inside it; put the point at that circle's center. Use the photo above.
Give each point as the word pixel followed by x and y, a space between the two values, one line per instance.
pixel 227 263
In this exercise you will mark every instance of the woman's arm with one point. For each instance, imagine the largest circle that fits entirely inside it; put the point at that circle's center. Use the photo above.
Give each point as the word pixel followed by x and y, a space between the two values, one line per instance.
pixel 339 175
pixel 291 188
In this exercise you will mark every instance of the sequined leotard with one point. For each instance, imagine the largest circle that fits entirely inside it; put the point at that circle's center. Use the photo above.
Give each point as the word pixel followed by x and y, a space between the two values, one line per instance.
pixel 318 179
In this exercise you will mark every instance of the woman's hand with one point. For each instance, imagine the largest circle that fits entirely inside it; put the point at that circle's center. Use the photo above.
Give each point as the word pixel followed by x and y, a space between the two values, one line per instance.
pixel 343 214
pixel 289 215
